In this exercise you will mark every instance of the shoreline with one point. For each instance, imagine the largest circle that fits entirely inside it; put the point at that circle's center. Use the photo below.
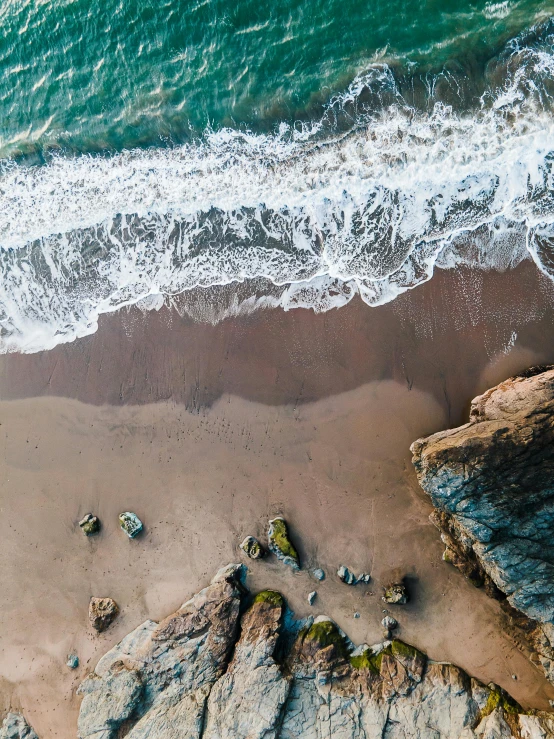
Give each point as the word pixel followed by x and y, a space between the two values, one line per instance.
pixel 208 431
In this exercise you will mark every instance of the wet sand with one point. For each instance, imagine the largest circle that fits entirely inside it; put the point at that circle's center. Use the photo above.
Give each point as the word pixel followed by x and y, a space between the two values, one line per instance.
pixel 208 431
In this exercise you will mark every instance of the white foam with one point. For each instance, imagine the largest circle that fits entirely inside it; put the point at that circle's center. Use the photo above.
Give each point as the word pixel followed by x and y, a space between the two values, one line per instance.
pixel 372 211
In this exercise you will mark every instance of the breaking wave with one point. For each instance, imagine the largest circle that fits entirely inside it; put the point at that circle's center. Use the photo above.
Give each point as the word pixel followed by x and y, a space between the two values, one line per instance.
pixel 368 200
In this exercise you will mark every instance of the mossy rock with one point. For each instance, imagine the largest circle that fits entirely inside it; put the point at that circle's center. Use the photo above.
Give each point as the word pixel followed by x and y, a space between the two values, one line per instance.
pixel 323 634
pixel 252 548
pixel 89 524
pixel 270 596
pixel 280 544
pixel 130 524
pixel 500 699
pixel 367 660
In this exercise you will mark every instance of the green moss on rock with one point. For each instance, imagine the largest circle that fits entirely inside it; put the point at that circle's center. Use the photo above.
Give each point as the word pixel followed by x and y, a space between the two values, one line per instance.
pixel 322 634
pixel 367 660
pixel 280 544
pixel 270 596
pixel 498 698
pixel 401 649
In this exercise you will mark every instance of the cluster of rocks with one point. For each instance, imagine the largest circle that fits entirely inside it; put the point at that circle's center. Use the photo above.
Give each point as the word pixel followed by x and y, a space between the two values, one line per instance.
pixel 129 522
pixel 492 484
pixel 228 665
pixel 279 544
pixel 349 578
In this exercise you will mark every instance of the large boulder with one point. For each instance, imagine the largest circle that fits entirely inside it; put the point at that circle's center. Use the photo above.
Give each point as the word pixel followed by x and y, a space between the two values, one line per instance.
pixel 15 726
pixel 492 483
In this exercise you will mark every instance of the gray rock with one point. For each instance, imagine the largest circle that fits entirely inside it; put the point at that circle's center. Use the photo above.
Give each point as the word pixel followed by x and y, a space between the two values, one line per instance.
pixel 491 482
pixel 72 661
pixel 396 594
pixel 319 574
pixel 15 726
pixel 197 675
pixel 312 596
pixel 280 543
pixel 130 524
pixel 356 615
pixel 365 578
pixel 252 548
pixel 389 623
pixel 89 524
pixel 101 613
pixel 347 577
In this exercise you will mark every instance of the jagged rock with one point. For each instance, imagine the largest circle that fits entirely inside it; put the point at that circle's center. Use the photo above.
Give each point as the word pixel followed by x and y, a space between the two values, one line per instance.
pixel 89 524
pixel 176 662
pixel 396 594
pixel 491 482
pixel 197 675
pixel 101 613
pixel 247 701
pixel 130 524
pixel 280 544
pixel 319 574
pixel 365 578
pixel 312 596
pixel 347 577
pixel 72 661
pixel 252 548
pixel 15 726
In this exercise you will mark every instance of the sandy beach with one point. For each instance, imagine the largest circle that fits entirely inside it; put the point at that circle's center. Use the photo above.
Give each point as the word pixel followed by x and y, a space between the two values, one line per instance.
pixel 206 431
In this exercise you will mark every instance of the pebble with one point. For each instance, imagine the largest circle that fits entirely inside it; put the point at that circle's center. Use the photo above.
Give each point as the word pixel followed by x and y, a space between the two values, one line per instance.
pixel 72 661
pixel 312 596
pixel 130 524
pixel 319 574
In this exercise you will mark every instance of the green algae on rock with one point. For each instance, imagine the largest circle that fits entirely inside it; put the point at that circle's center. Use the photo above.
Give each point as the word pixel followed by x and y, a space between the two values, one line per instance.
pixel 252 548
pixel 280 544
pixel 89 524
pixel 269 596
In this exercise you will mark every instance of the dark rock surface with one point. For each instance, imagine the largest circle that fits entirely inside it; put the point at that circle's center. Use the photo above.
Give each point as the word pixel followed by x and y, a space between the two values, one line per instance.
pixel 101 613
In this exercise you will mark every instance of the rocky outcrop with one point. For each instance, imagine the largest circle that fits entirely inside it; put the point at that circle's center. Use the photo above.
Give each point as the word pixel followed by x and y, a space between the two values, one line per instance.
pixel 229 666
pixel 492 483
pixel 14 726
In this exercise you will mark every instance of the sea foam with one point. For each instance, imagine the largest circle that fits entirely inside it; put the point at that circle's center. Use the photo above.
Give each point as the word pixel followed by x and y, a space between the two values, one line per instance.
pixel 320 214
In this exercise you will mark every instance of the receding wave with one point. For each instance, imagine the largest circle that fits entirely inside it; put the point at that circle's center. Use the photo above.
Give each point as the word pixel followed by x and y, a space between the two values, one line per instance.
pixel 322 212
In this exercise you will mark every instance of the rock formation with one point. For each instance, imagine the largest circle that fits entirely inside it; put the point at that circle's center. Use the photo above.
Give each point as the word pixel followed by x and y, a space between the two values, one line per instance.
pixel 229 666
pixel 130 523
pixel 492 483
pixel 14 726
pixel 252 548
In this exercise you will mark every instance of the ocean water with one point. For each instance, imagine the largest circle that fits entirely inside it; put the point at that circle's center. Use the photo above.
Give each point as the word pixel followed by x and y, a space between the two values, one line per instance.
pixel 322 149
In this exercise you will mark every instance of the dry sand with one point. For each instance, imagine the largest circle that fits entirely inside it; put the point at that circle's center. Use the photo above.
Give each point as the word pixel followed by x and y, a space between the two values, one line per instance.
pixel 207 431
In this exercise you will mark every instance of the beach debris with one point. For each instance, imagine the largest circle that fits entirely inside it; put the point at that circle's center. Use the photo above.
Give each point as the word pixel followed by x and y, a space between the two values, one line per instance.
pixel 346 576
pixel 252 548
pixel 396 594
pixel 89 524
pixel 101 613
pixel 319 574
pixel 280 544
pixel 312 596
pixel 72 661
pixel 130 523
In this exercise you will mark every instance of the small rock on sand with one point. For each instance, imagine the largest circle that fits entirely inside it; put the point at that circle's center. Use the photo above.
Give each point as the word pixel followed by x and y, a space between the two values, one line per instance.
pixel 396 594
pixel 252 548
pixel 130 524
pixel 346 576
pixel 101 613
pixel 312 596
pixel 389 623
pixel 319 574
pixel 72 661
pixel 89 524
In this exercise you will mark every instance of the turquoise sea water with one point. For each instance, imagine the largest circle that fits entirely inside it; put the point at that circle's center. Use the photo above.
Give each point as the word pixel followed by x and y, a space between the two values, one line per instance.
pixel 93 76
pixel 315 149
